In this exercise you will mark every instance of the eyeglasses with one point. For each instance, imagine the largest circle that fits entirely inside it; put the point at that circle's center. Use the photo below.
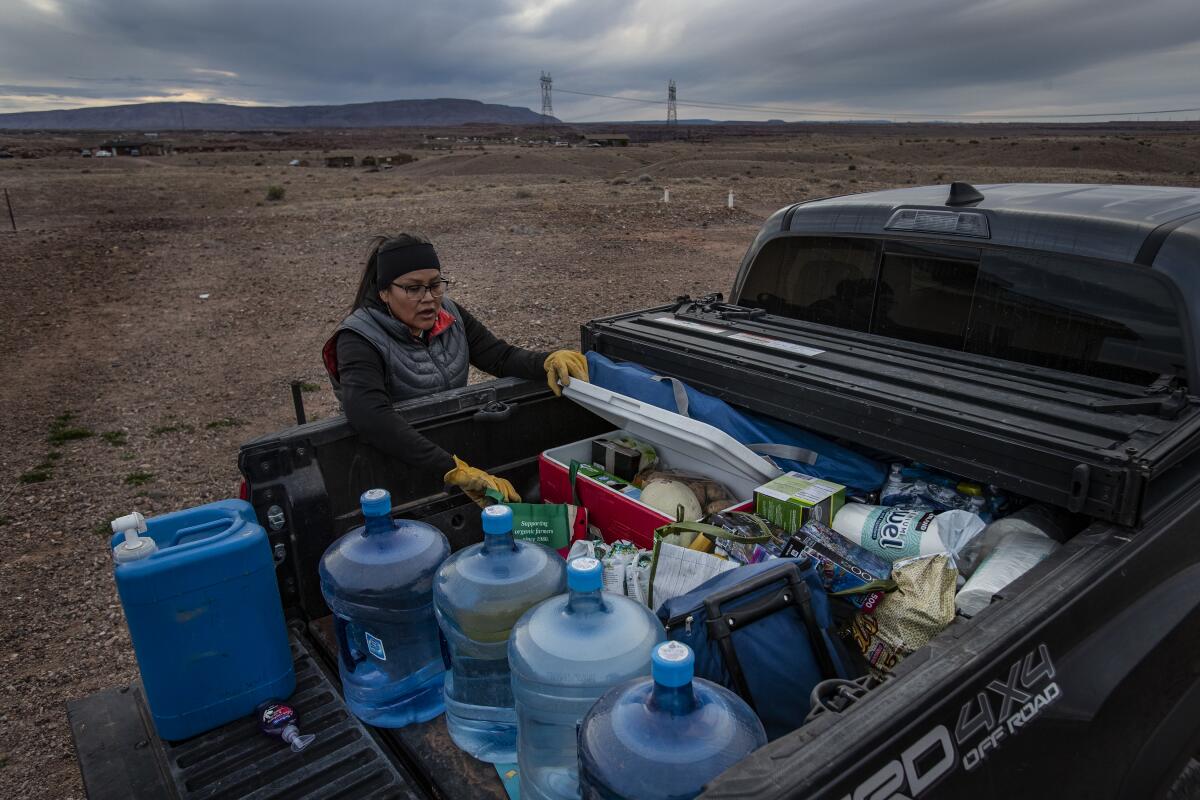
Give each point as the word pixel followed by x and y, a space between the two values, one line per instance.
pixel 416 291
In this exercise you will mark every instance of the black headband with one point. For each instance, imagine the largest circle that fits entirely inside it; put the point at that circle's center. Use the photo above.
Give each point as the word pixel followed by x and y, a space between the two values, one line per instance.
pixel 391 263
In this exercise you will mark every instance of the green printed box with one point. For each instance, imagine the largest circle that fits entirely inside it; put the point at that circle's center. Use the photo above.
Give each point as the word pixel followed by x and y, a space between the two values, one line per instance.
pixel 793 499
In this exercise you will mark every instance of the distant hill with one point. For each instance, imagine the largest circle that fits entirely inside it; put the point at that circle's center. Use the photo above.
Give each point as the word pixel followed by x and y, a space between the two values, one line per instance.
pixel 220 117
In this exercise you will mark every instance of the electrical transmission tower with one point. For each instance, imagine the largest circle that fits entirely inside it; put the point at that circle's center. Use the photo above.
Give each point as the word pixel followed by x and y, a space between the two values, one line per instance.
pixel 672 117
pixel 547 106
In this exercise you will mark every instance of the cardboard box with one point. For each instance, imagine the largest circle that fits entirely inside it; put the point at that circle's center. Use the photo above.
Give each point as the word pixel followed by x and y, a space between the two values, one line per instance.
pixel 842 564
pixel 616 459
pixel 793 499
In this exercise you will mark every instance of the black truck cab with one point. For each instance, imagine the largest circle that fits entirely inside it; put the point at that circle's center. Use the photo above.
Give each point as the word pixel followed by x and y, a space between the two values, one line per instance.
pixel 1039 338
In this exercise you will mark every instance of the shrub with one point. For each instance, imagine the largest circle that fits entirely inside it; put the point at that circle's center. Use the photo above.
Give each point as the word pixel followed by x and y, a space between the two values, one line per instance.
pixel 62 429
pixel 275 193
pixel 139 478
pixel 644 179
pixel 523 194
pixel 619 181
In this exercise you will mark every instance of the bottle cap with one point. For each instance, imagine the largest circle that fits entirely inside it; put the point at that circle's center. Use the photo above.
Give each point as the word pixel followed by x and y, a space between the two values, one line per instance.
pixel 133 547
pixel 376 503
pixel 672 664
pixel 584 575
pixel 497 519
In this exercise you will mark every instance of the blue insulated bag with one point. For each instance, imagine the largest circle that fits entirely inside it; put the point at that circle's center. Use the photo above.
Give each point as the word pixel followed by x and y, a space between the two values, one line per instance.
pixel 764 631
pixel 791 448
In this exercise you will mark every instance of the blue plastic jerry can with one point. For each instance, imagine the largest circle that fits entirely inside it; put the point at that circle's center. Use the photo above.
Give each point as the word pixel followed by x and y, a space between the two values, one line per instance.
pixel 202 604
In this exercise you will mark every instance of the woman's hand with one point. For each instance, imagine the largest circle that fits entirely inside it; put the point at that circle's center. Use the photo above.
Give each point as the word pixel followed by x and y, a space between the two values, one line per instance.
pixel 561 366
pixel 475 482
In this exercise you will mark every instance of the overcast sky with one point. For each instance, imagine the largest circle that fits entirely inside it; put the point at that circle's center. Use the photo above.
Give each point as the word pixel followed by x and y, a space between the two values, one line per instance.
pixel 787 60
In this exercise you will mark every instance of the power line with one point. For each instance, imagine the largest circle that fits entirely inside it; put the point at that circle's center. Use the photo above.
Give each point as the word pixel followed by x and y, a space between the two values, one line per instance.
pixel 884 114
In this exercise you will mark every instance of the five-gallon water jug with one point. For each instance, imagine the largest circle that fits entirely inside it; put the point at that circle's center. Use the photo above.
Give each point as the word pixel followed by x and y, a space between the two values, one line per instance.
pixel 480 593
pixel 666 736
pixel 378 581
pixel 199 592
pixel 564 653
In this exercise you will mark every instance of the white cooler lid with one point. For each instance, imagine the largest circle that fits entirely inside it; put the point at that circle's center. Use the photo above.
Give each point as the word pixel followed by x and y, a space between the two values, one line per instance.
pixel 693 439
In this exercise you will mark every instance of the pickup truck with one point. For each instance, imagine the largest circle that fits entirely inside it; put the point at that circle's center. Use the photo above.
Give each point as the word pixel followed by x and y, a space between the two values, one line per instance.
pixel 1038 338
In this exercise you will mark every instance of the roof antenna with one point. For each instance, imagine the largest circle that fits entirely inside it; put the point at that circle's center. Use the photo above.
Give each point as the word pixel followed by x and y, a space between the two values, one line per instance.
pixel 962 194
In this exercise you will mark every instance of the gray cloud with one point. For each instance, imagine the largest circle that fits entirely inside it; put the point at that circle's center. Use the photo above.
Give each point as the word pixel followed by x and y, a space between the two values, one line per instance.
pixel 943 57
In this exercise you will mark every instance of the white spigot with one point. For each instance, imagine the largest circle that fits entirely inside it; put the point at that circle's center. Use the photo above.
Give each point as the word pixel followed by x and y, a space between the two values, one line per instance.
pixel 135 546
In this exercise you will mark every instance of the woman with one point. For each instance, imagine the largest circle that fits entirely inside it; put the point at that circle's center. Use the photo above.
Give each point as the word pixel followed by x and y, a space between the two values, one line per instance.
pixel 405 339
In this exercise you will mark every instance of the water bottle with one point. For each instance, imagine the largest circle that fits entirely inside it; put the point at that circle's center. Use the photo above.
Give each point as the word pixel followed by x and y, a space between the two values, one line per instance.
pixel 895 490
pixel 666 736
pixel 378 581
pixel 564 653
pixel 479 594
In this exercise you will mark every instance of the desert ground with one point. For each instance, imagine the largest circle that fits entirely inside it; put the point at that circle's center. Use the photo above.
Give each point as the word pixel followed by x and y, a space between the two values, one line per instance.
pixel 155 310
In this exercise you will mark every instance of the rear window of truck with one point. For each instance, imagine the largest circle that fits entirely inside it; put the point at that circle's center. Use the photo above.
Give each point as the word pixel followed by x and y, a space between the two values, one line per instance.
pixel 1085 316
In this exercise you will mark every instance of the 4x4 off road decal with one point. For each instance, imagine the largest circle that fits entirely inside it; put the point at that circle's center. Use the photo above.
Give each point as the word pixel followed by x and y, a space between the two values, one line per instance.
pixel 1007 705
pixel 984 723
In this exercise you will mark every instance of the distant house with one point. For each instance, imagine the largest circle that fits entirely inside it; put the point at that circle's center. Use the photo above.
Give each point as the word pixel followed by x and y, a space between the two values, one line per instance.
pixel 123 147
pixel 339 161
pixel 607 139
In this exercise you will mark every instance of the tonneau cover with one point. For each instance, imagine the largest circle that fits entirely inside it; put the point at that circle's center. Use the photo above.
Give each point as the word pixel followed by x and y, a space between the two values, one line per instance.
pixel 1081 443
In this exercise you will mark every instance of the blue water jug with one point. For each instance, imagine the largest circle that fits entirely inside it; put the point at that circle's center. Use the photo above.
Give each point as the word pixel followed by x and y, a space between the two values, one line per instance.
pixel 200 598
pixel 480 593
pixel 564 653
pixel 666 736
pixel 378 581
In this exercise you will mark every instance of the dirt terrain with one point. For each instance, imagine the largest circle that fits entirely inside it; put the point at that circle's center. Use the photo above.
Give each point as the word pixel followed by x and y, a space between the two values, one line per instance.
pixel 156 309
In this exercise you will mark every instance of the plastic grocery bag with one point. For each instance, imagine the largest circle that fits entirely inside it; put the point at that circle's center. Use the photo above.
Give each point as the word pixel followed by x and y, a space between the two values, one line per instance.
pixel 683 557
pixel 626 567
pixel 906 619
pixel 710 496
pixel 1015 555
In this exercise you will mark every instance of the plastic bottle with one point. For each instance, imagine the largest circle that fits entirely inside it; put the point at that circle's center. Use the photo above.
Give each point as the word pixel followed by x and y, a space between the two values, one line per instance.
pixel 564 653
pixel 1037 519
pixel 378 581
pixel 480 593
pixel 276 718
pixel 920 487
pixel 895 490
pixel 1016 554
pixel 666 736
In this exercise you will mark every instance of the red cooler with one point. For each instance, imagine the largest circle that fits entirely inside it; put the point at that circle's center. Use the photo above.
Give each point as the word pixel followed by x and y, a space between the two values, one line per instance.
pixel 682 443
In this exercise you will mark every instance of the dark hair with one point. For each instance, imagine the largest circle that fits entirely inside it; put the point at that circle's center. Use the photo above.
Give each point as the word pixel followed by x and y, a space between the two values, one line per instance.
pixel 366 285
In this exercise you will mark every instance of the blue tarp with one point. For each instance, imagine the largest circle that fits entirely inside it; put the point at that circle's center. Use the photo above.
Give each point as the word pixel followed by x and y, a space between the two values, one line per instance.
pixel 832 461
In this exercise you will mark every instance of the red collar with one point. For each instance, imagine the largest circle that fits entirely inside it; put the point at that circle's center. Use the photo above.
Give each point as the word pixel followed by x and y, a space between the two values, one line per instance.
pixel 444 320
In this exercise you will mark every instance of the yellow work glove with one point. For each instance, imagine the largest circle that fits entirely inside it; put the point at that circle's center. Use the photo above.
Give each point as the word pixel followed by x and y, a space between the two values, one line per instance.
pixel 561 366
pixel 474 482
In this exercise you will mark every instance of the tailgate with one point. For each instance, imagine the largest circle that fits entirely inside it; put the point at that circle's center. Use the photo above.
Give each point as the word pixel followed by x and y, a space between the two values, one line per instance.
pixel 1080 443
pixel 121 757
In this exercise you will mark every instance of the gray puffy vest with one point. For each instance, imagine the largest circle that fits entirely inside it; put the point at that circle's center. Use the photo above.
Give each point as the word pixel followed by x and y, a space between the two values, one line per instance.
pixel 414 368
